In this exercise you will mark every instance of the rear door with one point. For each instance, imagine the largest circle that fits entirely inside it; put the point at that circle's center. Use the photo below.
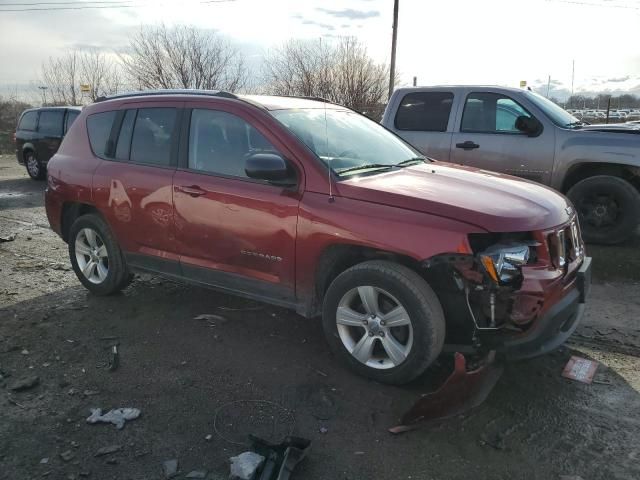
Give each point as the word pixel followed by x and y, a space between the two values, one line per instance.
pixel 50 130
pixel 424 119
pixel 133 185
pixel 231 230
pixel 486 137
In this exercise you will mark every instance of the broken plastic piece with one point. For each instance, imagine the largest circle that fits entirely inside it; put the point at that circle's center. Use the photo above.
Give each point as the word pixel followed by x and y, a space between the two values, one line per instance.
pixel 462 391
pixel 245 465
pixel 114 361
pixel 281 458
pixel 117 416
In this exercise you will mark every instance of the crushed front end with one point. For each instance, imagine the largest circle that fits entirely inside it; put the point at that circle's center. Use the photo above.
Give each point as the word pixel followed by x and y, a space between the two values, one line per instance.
pixel 520 294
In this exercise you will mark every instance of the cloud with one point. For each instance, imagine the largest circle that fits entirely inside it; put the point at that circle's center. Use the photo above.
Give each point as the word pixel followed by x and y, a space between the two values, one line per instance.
pixel 350 13
pixel 325 26
pixel 618 79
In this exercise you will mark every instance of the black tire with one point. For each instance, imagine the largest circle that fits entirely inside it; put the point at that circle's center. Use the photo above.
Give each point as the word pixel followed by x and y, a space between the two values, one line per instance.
pixel 608 208
pixel 412 293
pixel 35 169
pixel 118 276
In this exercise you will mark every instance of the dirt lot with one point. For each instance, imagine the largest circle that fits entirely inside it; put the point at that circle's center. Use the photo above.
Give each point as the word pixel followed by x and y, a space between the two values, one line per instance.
pixel 183 372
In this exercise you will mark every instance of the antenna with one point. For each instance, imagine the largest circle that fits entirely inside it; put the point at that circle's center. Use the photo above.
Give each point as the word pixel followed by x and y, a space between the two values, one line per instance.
pixel 326 137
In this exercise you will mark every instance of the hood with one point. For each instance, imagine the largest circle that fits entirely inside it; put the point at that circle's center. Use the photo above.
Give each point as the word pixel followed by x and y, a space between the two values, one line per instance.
pixel 613 127
pixel 492 201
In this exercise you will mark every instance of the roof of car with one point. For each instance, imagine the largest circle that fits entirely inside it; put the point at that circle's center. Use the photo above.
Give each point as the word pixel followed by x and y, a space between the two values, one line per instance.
pixel 64 107
pixel 268 102
pixel 451 87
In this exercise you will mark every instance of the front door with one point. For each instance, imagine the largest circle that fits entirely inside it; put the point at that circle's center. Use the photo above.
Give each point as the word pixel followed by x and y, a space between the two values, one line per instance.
pixel 232 231
pixel 487 138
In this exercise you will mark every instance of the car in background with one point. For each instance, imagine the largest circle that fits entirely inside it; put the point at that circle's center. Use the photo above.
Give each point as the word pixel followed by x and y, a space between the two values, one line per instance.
pixel 38 136
pixel 521 133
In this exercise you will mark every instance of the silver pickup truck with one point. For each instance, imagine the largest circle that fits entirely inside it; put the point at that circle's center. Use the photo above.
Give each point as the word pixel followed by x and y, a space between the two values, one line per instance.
pixel 521 133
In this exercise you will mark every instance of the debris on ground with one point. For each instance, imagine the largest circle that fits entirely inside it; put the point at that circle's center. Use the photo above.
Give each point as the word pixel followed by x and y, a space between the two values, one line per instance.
pixel 170 468
pixel 245 465
pixel 25 383
pixel 44 461
pixel 323 430
pixel 114 359
pixel 116 416
pixel 281 458
pixel 67 455
pixel 210 317
pixel 197 474
pixel 208 437
pixel 8 238
pixel 580 369
pixel 108 450
pixel 463 390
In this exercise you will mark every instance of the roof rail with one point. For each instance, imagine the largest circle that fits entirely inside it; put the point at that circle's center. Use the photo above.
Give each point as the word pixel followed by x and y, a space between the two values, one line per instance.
pixel 185 91
pixel 309 97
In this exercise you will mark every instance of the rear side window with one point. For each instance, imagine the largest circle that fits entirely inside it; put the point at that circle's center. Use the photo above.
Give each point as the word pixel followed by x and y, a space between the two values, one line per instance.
pixel 152 136
pixel 491 113
pixel 124 139
pixel 424 111
pixel 28 121
pixel 99 128
pixel 51 122
pixel 71 117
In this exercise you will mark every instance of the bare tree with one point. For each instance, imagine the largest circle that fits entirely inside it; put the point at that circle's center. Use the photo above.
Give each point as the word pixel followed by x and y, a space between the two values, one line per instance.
pixel 62 77
pixel 183 57
pixel 343 73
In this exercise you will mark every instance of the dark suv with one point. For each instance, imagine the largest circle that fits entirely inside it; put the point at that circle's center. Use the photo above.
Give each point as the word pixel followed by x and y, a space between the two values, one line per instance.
pixel 39 134
pixel 311 206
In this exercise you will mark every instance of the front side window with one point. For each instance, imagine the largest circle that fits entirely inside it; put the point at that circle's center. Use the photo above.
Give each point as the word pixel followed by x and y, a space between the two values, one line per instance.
pixel 424 111
pixel 99 129
pixel 28 121
pixel 491 113
pixel 152 136
pixel 51 122
pixel 347 142
pixel 220 142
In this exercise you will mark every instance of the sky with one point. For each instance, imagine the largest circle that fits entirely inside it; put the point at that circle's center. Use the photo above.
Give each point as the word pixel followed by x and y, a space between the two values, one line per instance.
pixel 439 42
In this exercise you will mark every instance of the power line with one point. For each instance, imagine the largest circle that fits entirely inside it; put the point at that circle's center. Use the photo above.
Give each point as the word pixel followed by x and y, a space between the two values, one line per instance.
pixel 84 6
pixel 591 4
pixel 26 4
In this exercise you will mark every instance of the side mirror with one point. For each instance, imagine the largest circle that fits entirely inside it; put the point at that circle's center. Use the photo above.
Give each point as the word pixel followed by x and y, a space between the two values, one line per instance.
pixel 270 167
pixel 529 125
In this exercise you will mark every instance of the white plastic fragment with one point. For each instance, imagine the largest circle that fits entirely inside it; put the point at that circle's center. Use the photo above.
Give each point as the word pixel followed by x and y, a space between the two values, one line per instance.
pixel 245 465
pixel 116 416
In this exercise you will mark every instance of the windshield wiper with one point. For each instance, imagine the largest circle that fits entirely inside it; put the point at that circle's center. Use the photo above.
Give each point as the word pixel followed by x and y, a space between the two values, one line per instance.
pixel 577 124
pixel 411 161
pixel 366 166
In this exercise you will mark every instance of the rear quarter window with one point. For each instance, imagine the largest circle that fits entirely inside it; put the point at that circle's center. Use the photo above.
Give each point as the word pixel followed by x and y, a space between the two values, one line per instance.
pixel 51 122
pixel 99 129
pixel 424 111
pixel 28 121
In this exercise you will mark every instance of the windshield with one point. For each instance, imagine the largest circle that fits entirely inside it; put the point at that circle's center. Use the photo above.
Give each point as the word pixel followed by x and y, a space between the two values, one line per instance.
pixel 556 113
pixel 348 142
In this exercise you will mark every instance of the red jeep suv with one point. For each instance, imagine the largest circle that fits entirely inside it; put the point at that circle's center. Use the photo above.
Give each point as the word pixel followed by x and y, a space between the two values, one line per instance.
pixel 309 205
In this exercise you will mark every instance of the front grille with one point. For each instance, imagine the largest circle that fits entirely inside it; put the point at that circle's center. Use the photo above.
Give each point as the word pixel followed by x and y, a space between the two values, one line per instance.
pixel 565 244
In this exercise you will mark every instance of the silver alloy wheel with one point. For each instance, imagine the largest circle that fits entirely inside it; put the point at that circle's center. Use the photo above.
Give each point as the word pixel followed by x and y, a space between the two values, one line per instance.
pixel 374 327
pixel 91 255
pixel 32 165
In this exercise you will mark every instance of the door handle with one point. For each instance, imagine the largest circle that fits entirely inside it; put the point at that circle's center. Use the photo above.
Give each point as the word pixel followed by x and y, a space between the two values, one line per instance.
pixel 192 190
pixel 468 145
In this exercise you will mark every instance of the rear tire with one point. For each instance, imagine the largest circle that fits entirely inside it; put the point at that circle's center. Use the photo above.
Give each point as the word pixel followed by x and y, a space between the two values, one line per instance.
pixel 608 208
pixel 384 321
pixel 34 168
pixel 96 257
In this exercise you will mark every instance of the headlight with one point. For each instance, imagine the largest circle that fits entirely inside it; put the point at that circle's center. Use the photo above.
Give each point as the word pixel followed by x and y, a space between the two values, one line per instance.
pixel 503 262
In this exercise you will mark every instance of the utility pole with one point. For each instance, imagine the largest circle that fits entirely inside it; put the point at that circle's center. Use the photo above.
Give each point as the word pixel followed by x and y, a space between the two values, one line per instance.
pixel 44 95
pixel 548 85
pixel 392 70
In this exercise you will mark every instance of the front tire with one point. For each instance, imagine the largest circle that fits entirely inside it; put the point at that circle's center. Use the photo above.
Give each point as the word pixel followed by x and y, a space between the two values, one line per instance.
pixel 608 208
pixel 34 168
pixel 384 321
pixel 96 257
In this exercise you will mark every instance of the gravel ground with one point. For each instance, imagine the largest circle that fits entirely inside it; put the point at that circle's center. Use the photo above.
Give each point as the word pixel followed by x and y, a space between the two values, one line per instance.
pixel 194 378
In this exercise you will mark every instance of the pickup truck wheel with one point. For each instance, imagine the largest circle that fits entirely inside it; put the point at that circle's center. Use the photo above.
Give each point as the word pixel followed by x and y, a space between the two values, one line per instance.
pixel 608 208
pixel 35 170
pixel 384 321
pixel 96 257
